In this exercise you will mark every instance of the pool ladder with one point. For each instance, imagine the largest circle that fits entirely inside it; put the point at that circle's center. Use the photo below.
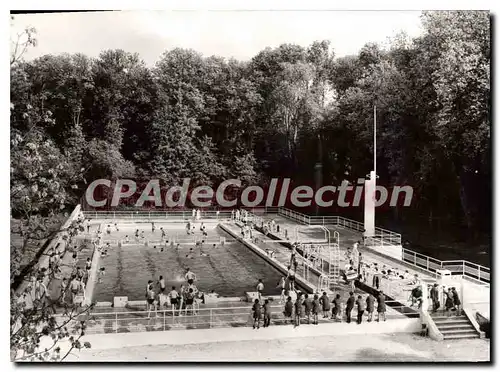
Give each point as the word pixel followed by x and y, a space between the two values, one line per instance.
pixel 323 282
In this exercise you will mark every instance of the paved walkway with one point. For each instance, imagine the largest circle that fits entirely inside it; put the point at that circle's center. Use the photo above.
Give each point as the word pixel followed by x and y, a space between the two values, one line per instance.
pixel 336 348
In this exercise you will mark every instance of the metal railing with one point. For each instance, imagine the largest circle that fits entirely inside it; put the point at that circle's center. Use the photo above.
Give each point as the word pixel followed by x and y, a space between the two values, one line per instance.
pixel 381 237
pixel 168 215
pixel 203 318
pixel 467 269
pixel 385 237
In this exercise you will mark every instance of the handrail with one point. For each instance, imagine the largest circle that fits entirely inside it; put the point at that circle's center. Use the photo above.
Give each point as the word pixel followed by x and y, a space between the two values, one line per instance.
pixel 162 321
pixel 387 237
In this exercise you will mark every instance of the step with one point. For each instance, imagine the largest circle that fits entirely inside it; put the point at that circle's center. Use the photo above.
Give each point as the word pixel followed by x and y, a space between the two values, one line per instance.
pixel 460 337
pixel 451 320
pixel 454 326
pixel 443 317
pixel 457 331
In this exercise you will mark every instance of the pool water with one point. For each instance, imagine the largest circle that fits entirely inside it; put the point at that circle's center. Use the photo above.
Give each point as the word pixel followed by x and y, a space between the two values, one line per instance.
pixel 229 270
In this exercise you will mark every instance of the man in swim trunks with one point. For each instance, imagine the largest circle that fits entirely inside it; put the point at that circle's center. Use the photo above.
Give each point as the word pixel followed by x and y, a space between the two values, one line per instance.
pixel 174 299
pixel 88 266
pixel 291 278
pixel 74 287
pixel 150 297
pixel 281 287
pixel 260 288
pixel 190 276
pixel 161 283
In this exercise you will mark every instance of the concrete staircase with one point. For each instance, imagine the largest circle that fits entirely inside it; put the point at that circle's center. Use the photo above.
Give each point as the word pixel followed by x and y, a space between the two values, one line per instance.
pixel 455 327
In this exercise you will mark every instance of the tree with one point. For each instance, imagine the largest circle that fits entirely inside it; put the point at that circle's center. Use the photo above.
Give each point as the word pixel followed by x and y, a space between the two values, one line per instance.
pixel 459 44
pixel 40 179
pixel 39 176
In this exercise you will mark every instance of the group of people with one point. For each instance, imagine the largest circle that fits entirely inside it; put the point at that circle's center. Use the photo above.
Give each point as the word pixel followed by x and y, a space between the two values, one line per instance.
pixel 239 215
pixel 191 229
pixel 187 298
pixel 311 307
pixel 451 300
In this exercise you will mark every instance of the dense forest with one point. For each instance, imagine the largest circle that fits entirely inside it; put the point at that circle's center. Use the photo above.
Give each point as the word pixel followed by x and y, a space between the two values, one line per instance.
pixel 75 119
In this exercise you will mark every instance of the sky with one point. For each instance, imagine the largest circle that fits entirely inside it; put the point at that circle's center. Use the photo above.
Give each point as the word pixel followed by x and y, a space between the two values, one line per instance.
pixel 238 34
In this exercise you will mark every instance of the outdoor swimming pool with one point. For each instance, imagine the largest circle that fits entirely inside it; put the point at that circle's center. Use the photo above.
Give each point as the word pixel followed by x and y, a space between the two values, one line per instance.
pixel 229 270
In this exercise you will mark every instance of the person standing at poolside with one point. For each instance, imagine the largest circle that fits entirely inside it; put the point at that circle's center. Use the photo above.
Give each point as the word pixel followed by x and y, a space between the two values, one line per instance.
pixel 435 297
pixel 282 286
pixel 88 266
pixel 161 284
pixel 448 304
pixel 189 301
pixel 267 313
pixel 325 304
pixel 190 276
pixel 349 306
pixel 456 300
pixel 150 299
pixel 291 278
pixel 174 299
pixel 299 310
pixel 260 289
pixel 315 309
pixel 370 306
pixel 381 309
pixel 336 310
pixel 361 309
pixel 307 307
pixel 288 310
pixel 256 313
pixel 74 287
